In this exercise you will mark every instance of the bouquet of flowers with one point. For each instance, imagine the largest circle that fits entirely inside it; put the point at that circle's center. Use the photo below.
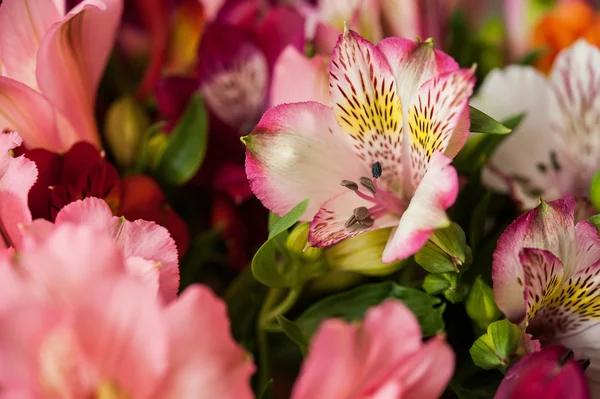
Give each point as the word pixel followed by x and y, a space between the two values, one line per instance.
pixel 330 199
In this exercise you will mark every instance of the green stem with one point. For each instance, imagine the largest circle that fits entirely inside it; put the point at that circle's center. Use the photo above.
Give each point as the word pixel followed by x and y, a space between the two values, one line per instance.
pixel 284 306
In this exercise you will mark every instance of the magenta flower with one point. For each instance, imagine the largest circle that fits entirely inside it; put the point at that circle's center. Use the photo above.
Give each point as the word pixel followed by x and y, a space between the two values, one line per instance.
pixel 545 273
pixel 551 373
pixel 383 357
pixel 379 155
pixel 52 63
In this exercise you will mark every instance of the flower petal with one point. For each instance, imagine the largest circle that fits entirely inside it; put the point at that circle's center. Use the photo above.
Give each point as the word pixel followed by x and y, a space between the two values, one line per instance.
pixel 427 210
pixel 204 358
pixel 73 56
pixel 436 117
pixel 585 345
pixel 23 24
pixel 233 74
pixel 17 176
pixel 523 163
pixel 365 103
pixel 287 88
pixel 298 151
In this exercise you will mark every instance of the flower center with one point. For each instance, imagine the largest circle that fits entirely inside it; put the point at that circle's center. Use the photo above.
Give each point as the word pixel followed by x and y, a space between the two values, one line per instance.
pixel 383 201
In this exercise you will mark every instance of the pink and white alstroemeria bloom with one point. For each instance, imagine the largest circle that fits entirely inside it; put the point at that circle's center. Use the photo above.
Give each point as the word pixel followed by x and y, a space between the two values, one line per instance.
pixel 380 358
pixel 546 278
pixel 379 156
pixel 555 150
pixel 52 63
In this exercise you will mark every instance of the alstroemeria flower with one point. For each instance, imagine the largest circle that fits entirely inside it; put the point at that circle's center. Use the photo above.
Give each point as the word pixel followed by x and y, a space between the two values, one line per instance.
pixel 383 357
pixel 553 153
pixel 545 275
pixel 52 63
pixel 399 112
pixel 74 324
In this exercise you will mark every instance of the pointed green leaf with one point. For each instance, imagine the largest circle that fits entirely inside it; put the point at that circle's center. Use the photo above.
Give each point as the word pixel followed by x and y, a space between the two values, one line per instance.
pixel 483 123
pixel 186 149
pixel 289 219
pixel 293 332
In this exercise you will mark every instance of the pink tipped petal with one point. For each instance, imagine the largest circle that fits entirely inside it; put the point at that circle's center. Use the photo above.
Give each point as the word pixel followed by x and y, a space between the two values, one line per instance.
pixel 365 102
pixel 23 24
pixel 73 56
pixel 204 358
pixel 414 63
pixel 427 210
pixel 287 88
pixel 585 345
pixel 587 242
pixel 93 212
pixel 234 75
pixel 39 129
pixel 298 151
pixel 436 115
pixel 119 328
pixel 145 270
pixel 17 176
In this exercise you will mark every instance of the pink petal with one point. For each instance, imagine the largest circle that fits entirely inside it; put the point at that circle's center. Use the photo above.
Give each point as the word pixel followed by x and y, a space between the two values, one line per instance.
pixel 427 210
pixel 120 329
pixel 45 128
pixel 402 18
pixel 365 102
pixel 587 244
pixel 204 359
pixel 287 88
pixel 23 24
pixel 211 8
pixel 549 227
pixel 298 151
pixel 72 57
pixel 17 176
pixel 328 226
pixel 585 344
pixel 354 361
pixel 145 270
pixel 437 116
pixel 93 212
pixel 414 63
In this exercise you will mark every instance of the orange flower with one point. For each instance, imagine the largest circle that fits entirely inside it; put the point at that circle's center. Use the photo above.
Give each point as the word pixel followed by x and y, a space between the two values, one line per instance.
pixel 561 27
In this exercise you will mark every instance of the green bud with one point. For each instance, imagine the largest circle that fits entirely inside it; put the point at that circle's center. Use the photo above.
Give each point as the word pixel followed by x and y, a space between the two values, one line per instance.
pixel 498 347
pixel 449 284
pixel 480 304
pixel 333 281
pixel 156 148
pixel 595 191
pixel 297 240
pixel 362 254
pixel 446 251
pixel 124 126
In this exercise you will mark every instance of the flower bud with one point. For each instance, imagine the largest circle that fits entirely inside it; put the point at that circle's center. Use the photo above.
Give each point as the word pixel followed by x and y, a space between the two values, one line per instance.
pixel 124 127
pixel 446 251
pixel 448 284
pixel 499 347
pixel 297 240
pixel 480 304
pixel 551 373
pixel 362 254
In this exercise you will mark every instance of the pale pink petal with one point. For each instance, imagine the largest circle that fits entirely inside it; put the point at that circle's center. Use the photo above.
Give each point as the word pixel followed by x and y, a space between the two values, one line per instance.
pixel 427 210
pixel 522 164
pixel 204 359
pixel 121 331
pixel 402 18
pixel 73 55
pixel 518 35
pixel 93 212
pixel 69 258
pixel 367 20
pixel 326 37
pixel 354 361
pixel 145 270
pixel 211 8
pixel 328 226
pixel 298 151
pixel 287 88
pixel 414 63
pixel 39 129
pixel 587 244
pixel 17 176
pixel 436 116
pixel 23 24
pixel 366 105
pixel 585 344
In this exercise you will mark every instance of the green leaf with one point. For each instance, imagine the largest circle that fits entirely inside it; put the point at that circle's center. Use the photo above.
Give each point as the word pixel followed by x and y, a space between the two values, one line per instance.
pixel 483 123
pixel 477 224
pixel 289 219
pixel 293 332
pixel 267 390
pixel 143 158
pixel 595 220
pixel 480 304
pixel 273 219
pixel 496 348
pixel 595 190
pixel 352 305
pixel 186 149
pixel 446 251
pixel 531 57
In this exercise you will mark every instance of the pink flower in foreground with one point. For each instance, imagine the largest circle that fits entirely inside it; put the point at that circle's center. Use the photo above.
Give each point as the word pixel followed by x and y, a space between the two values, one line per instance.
pixel 551 374
pixel 73 324
pixel 383 358
pixel 545 275
pixel 52 63
pixel 399 112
